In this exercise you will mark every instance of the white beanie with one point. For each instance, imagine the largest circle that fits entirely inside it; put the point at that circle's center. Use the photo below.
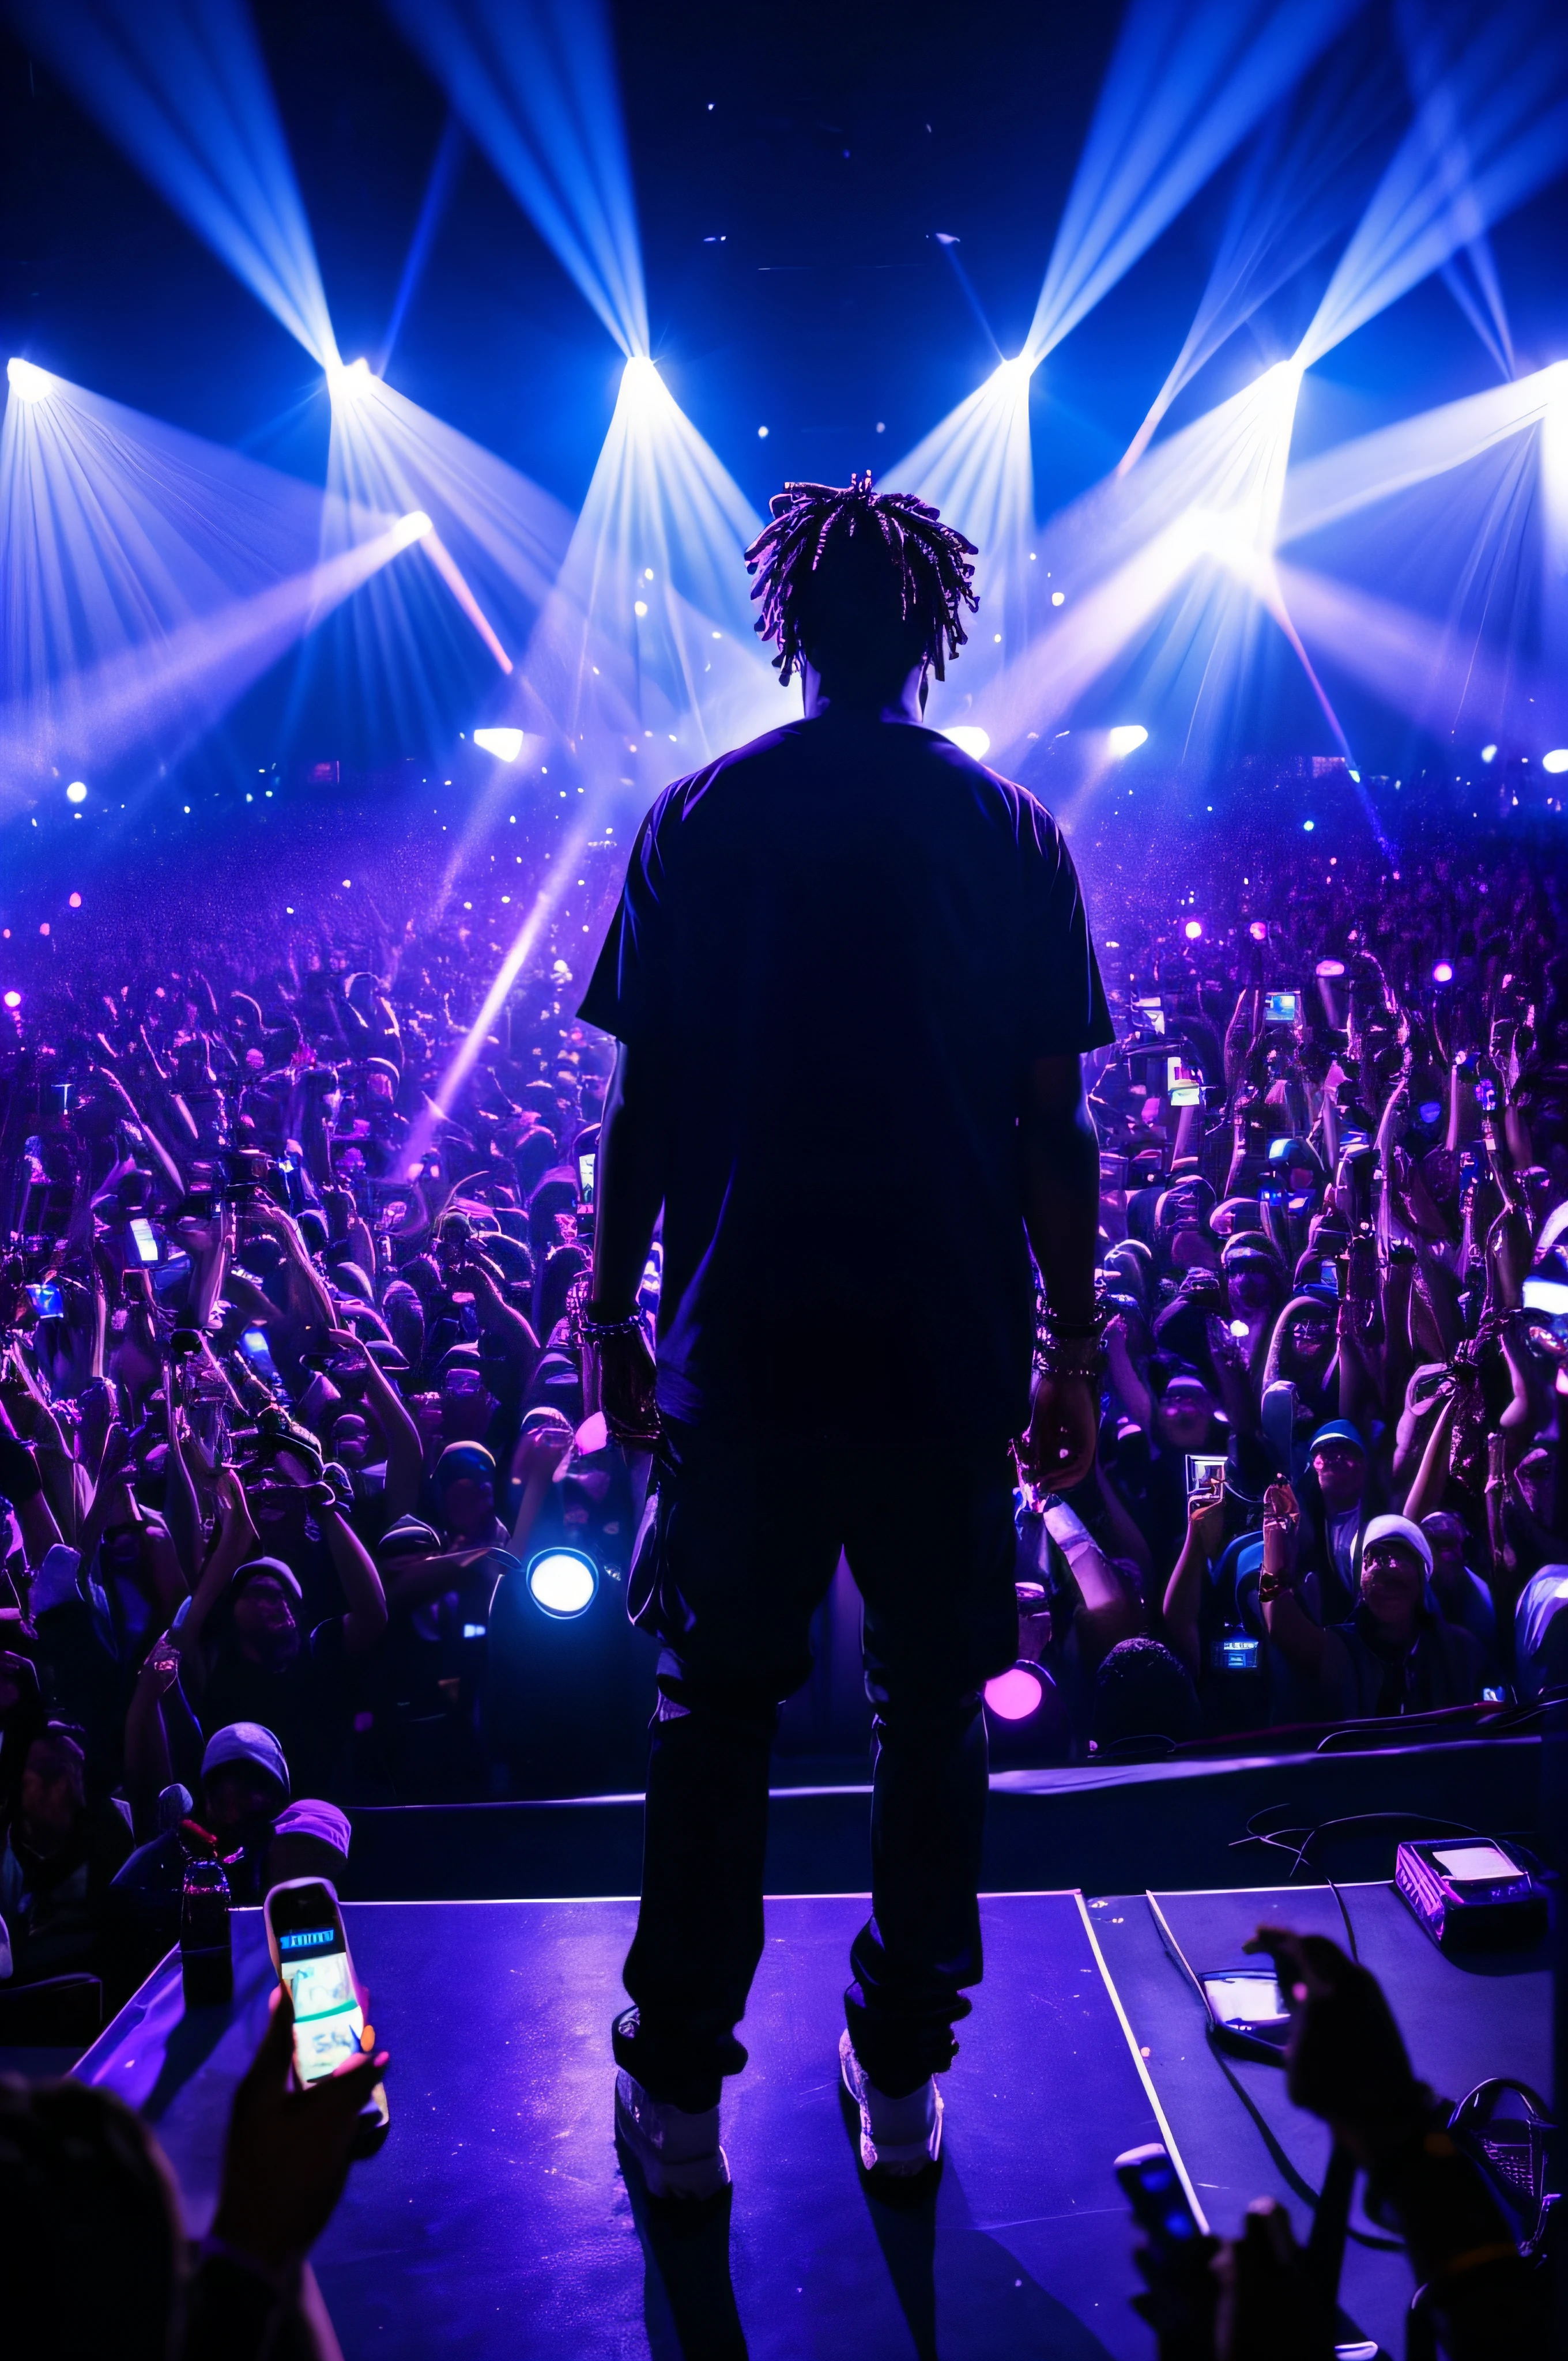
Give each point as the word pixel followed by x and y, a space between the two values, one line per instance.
pixel 1402 1528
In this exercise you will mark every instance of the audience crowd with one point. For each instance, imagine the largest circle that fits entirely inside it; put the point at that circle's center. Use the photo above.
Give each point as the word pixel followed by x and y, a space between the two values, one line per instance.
pixel 290 1398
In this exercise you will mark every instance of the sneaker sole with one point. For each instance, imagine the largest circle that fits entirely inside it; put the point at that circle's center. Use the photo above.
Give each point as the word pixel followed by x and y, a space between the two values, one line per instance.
pixel 700 2177
pixel 899 2162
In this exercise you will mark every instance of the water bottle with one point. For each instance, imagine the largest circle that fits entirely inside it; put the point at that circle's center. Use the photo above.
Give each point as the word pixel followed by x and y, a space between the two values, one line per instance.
pixel 206 1950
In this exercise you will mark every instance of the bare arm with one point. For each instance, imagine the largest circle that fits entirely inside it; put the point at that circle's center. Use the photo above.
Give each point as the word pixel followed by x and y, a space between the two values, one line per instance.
pixel 1184 1591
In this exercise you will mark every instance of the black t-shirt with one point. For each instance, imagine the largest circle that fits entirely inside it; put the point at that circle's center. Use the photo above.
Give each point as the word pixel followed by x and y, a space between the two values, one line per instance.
pixel 843 946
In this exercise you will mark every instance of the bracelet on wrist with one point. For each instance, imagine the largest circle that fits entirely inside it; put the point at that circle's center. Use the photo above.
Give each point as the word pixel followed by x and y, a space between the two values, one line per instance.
pixel 1068 1348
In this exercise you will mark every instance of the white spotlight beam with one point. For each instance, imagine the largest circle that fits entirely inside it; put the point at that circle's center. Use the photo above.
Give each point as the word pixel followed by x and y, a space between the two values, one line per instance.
pixel 1373 467
pixel 182 87
pixel 1490 130
pixel 166 694
pixel 536 87
pixel 116 529
pixel 1189 80
pixel 649 628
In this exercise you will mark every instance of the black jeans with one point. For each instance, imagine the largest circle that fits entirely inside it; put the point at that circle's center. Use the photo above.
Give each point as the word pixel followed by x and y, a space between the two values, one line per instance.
pixel 745 1543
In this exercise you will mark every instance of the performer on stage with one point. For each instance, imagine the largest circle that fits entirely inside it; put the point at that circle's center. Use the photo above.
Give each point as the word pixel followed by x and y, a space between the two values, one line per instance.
pixel 851 979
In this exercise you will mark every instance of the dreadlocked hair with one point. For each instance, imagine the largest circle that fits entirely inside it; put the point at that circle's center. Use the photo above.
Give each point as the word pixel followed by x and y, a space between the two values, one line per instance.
pixel 931 560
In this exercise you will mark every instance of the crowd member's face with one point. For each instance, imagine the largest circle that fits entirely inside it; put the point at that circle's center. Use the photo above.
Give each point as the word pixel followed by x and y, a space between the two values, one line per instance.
pixel 468 1507
pixel 1340 1471
pixel 1445 1537
pixel 264 1623
pixel 237 1793
pixel 1251 1287
pixel 465 1409
pixel 1183 1417
pixel 351 1441
pixel 52 1795
pixel 1392 1580
pixel 1311 1335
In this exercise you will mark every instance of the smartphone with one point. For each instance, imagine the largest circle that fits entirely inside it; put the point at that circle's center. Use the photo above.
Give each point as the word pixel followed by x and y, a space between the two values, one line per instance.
pixel 1281 1007
pixel 1487 1097
pixel 46 1299
pixel 168 1277
pixel 310 1951
pixel 1205 1474
pixel 1328 1276
pixel 1112 1171
pixel 585 1164
pixel 253 1344
pixel 142 1237
pixel 1235 1652
pixel 1474 1167
pixel 1160 2204
pixel 1152 1012
pixel 1248 2011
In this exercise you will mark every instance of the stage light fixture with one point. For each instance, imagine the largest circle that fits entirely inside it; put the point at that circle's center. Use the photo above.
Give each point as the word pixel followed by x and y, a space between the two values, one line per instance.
pixel 1193 931
pixel 1488 754
pixel 1442 972
pixel 348 379
pixel 1013 1696
pixel 13 1000
pixel 1127 736
pixel 1331 967
pixel 27 381
pixel 1258 930
pixel 562 1583
pixel 970 740
pixel 413 527
pixel 1556 761
pixel 76 793
pixel 506 745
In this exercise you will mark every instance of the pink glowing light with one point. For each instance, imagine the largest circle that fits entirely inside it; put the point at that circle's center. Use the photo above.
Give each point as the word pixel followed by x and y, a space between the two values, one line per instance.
pixel 1013 1697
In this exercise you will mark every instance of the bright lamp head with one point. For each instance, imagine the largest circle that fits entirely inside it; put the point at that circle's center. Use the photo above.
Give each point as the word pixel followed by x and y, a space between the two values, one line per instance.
pixel 562 1583
pixel 1013 1696
pixel 348 379
pixel 968 740
pixel 1125 738
pixel 506 745
pixel 27 381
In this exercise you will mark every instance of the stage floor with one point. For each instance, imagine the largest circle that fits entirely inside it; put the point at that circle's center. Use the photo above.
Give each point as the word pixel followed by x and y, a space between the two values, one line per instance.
pixel 497 2222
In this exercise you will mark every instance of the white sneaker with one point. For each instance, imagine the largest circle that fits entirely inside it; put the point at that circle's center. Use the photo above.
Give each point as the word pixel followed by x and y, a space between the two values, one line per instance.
pixel 898 2136
pixel 679 2154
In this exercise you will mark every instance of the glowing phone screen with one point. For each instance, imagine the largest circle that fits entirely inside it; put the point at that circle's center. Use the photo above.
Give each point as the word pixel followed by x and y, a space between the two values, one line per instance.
pixel 328 2019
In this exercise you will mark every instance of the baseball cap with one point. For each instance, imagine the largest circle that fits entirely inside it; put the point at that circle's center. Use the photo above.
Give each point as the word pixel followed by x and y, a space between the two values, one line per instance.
pixel 245 1742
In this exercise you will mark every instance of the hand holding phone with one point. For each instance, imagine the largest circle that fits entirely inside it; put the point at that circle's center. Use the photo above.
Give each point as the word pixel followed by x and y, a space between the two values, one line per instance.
pixel 310 1951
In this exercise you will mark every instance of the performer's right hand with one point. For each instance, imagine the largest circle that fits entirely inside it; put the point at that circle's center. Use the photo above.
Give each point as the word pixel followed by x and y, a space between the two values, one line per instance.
pixel 1059 1449
pixel 627 1374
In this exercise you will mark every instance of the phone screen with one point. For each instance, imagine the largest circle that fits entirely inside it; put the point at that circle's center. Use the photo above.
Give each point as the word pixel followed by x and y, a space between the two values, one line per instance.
pixel 314 1965
pixel 1281 1007
pixel 1246 1999
pixel 1476 1862
pixel 1205 1472
pixel 46 1299
pixel 1235 1654
pixel 142 1233
pixel 253 1344
pixel 1329 1276
pixel 585 1172
pixel 1153 1014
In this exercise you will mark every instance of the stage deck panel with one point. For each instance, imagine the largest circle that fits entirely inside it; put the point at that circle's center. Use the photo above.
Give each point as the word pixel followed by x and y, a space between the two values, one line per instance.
pixel 497 2221
pixel 1234 2123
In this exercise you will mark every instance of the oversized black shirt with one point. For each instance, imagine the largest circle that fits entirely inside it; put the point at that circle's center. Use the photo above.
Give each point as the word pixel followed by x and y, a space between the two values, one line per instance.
pixel 842 946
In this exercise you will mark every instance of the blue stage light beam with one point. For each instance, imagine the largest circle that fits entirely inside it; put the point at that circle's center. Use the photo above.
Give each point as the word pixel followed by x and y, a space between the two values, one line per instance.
pixel 1124 552
pixel 1303 182
pixel 181 87
pixel 494 550
pixel 645 654
pixel 117 530
pixel 1455 685
pixel 442 180
pixel 536 87
pixel 1491 131
pixel 165 694
pixel 1187 84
